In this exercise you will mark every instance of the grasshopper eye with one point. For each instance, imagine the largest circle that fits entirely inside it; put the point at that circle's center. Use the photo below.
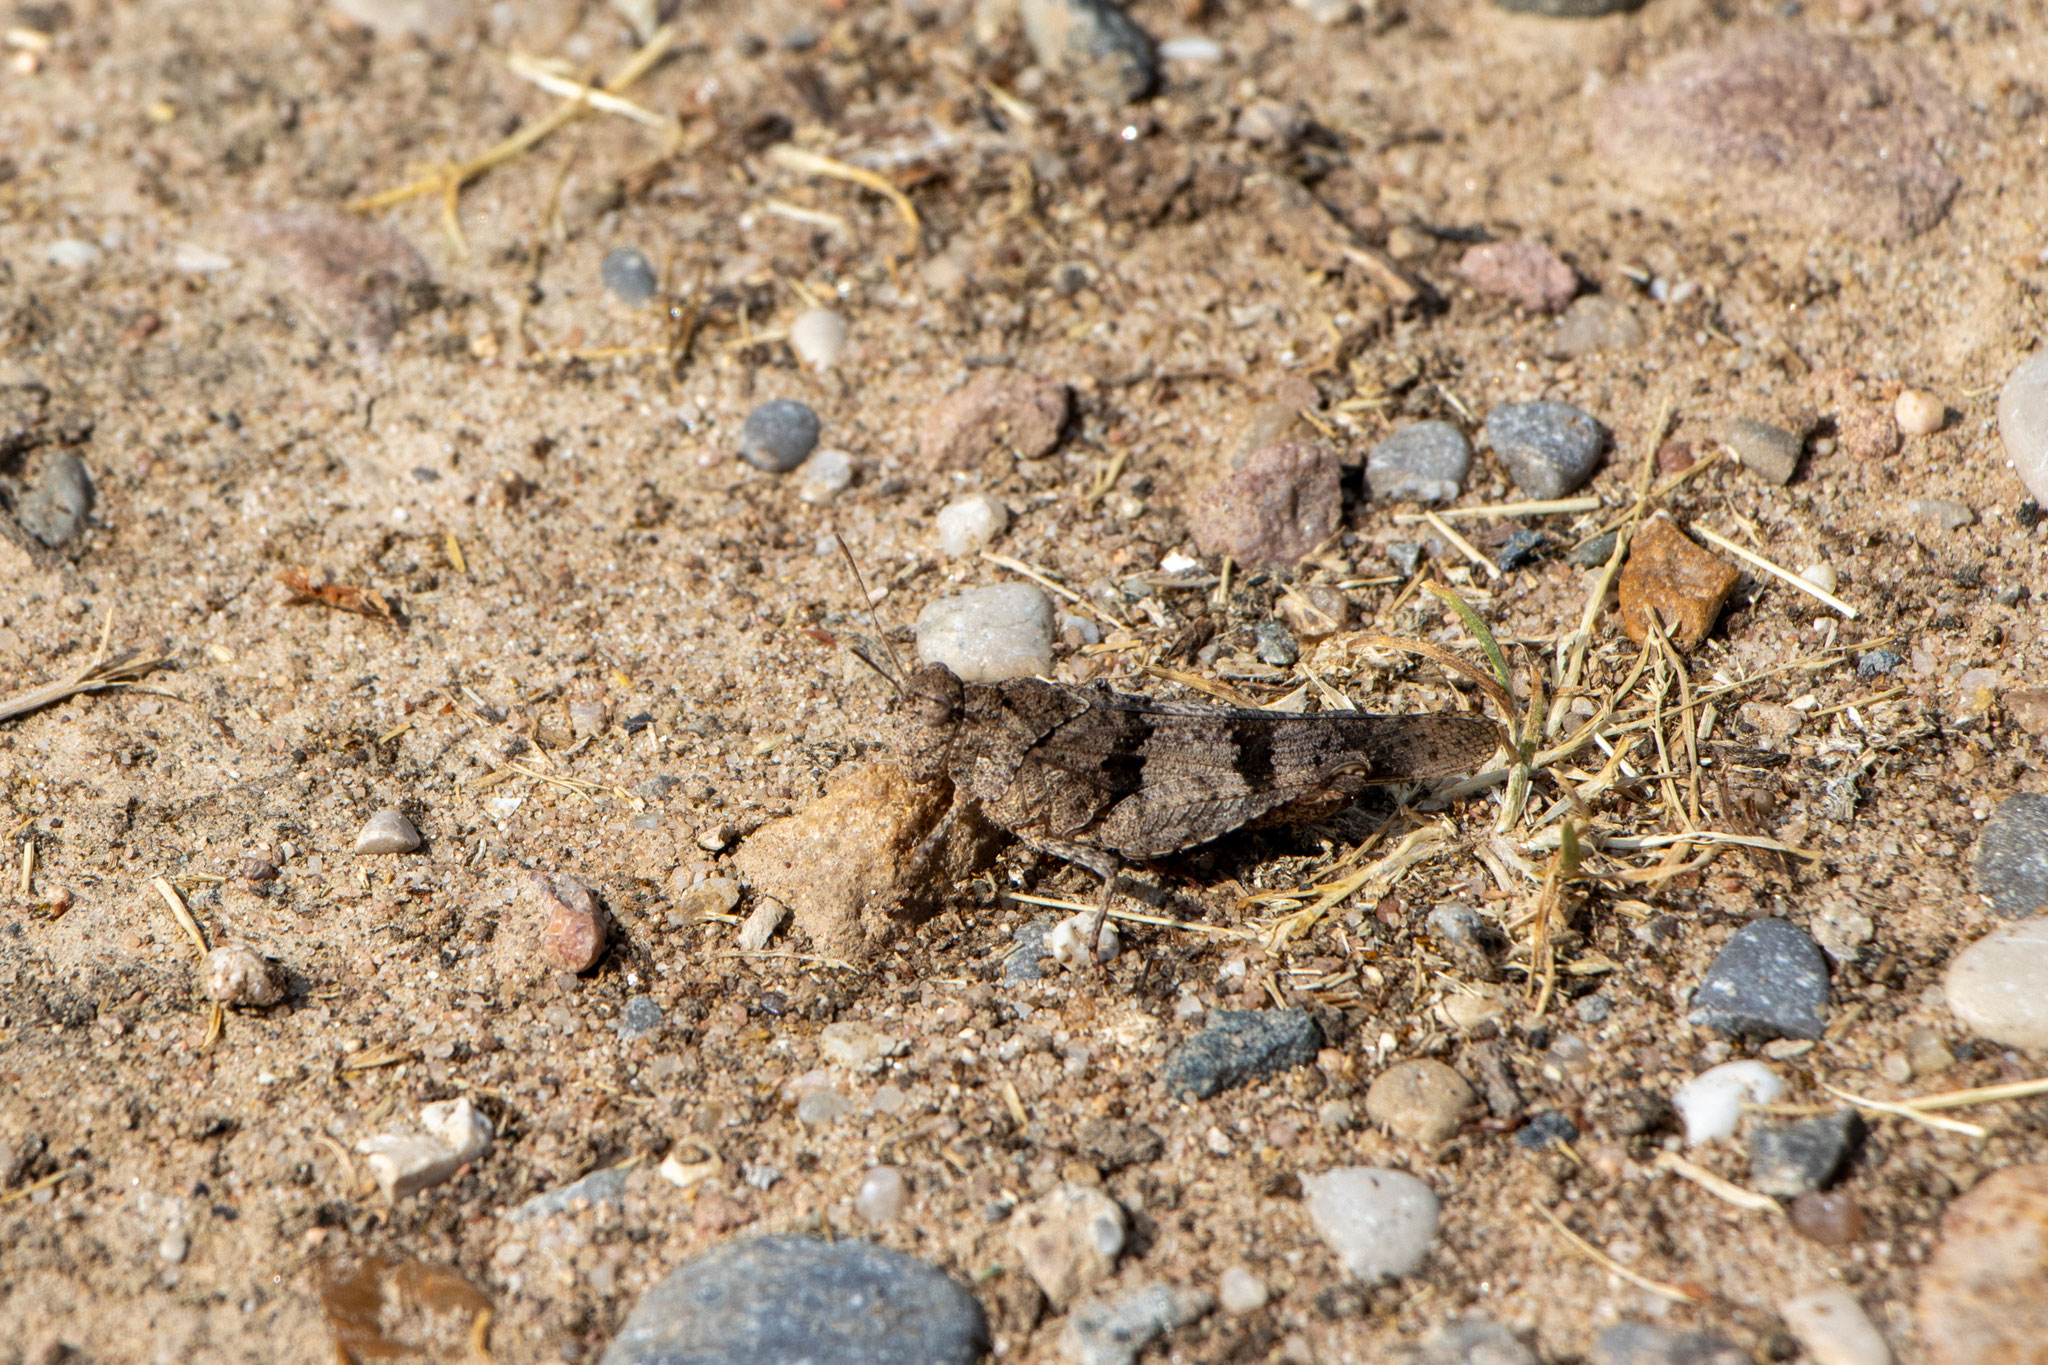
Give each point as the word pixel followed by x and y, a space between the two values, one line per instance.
pixel 934 694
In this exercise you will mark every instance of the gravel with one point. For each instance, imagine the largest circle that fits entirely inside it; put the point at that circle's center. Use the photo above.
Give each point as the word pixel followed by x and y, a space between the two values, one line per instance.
pixel 779 435
pixel 787 1298
pixel 1419 1101
pixel 987 635
pixel 2012 856
pixel 56 505
pixel 607 1186
pixel 1526 273
pixel 1788 1159
pixel 573 934
pixel 388 831
pixel 640 1017
pixel 1769 981
pixel 236 974
pixel 2023 422
pixel 1422 462
pixel 629 275
pixel 1596 323
pixel 1770 451
pixel 969 525
pixel 1998 986
pixel 1094 44
pixel 824 476
pixel 1240 1046
pixel 1069 1239
pixel 1284 502
pixel 1379 1223
pixel 1550 449
pixel 1113 1332
pixel 1240 1291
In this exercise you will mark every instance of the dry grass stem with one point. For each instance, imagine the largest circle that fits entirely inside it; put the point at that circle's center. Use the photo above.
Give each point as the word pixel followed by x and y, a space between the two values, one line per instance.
pixel 1551 507
pixel 545 75
pixel 95 677
pixel 1715 1185
pixel 1983 1094
pixel 1460 544
pixel 1132 916
pixel 1600 1258
pixel 1907 1111
pixel 26 1190
pixel 794 158
pixel 1485 680
pixel 1786 576
pixel 171 898
pixel 1420 846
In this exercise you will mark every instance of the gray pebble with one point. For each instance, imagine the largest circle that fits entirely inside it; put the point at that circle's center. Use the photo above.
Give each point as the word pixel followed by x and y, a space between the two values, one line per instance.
pixel 658 787
pixel 1790 1159
pixel 988 635
pixel 599 1187
pixel 1093 43
pixel 1380 1223
pixel 388 831
pixel 1422 462
pixel 779 435
pixel 1770 981
pixel 55 508
pixel 1405 556
pixel 640 1017
pixel 1771 451
pixel 1474 944
pixel 1946 513
pixel 1550 449
pixel 2012 856
pixel 1276 644
pixel 1594 1009
pixel 1473 1341
pixel 1595 552
pixel 1240 1046
pixel 1595 323
pixel 1875 663
pixel 1113 1144
pixel 629 276
pixel 1544 1129
pixel 1523 546
pixel 1638 1343
pixel 794 1298
pixel 1025 962
pixel 822 1108
pixel 1113 1332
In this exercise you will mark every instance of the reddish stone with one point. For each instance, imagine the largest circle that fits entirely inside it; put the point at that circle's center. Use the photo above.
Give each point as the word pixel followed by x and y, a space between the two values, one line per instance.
pixel 1527 273
pixel 998 410
pixel 1984 1294
pixel 1282 505
pixel 577 925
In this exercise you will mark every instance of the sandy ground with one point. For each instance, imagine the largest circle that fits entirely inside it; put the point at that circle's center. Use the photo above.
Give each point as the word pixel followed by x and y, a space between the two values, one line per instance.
pixel 541 481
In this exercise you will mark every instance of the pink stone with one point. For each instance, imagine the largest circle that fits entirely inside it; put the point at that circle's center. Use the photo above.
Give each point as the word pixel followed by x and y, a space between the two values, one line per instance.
pixel 1526 273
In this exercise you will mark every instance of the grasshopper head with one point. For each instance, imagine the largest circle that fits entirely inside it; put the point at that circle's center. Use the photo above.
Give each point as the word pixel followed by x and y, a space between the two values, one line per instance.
pixel 934 694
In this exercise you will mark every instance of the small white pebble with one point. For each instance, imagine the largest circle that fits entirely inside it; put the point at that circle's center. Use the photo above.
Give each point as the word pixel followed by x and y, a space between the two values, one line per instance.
pixel 1822 576
pixel 1190 50
pixel 1834 1329
pixel 1919 413
pixel 1241 1291
pixel 1711 1102
pixel 884 1194
pixel 236 974
pixel 388 831
pixel 824 476
pixel 817 336
pixel 967 525
pixel 69 253
pixel 1067 942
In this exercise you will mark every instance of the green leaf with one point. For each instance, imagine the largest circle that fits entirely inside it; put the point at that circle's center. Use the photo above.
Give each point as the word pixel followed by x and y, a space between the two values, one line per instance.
pixel 1491 646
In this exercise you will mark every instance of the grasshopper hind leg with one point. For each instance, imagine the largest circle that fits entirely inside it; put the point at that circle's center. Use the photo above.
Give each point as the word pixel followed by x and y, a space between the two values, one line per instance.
pixel 1103 864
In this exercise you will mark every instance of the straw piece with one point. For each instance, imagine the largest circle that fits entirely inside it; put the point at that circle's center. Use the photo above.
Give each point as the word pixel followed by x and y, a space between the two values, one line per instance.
pixel 1757 561
pixel 1613 1267
pixel 1549 507
pixel 1715 1185
pixel 1460 544
pixel 179 913
pixel 535 70
pixel 1907 1111
pixel 810 163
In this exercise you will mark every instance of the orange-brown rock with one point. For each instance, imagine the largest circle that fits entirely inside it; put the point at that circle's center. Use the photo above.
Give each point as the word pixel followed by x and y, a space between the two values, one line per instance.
pixel 1669 575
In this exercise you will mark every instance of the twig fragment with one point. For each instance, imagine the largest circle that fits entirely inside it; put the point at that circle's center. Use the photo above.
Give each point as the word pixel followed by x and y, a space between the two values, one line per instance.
pixel 1786 576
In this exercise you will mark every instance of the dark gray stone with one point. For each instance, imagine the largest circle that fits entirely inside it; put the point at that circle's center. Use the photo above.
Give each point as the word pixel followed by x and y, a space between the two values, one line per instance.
pixel 1276 644
pixel 1523 546
pixel 1550 449
pixel 1771 451
pixel 640 1017
pixel 769 1299
pixel 1471 1341
pixel 779 435
pixel 629 276
pixel 2012 856
pixel 599 1187
pixel 1094 44
pixel 1026 962
pixel 55 508
pixel 1770 981
pixel 1405 556
pixel 1638 1343
pixel 1422 462
pixel 1239 1046
pixel 1569 9
pixel 1594 553
pixel 1113 1332
pixel 1875 663
pixel 1544 1129
pixel 1790 1159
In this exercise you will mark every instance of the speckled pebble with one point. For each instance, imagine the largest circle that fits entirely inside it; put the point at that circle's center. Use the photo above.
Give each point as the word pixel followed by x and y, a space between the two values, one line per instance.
pixel 1422 462
pixel 236 974
pixel 1239 1046
pixel 1787 1159
pixel 1639 1343
pixel 1380 1223
pixel 640 1017
pixel 779 435
pixel 388 831
pixel 1550 449
pixel 1419 1101
pixel 1876 663
pixel 1769 981
pixel 988 635
pixel 786 1298
pixel 1069 1239
pixel 1094 44
pixel 1113 1332
pixel 1984 1292
pixel 629 276
pixel 56 505
pixel 2012 856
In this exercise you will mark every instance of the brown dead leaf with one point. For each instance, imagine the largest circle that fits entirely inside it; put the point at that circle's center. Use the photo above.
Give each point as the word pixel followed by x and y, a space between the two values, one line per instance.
pixel 314 586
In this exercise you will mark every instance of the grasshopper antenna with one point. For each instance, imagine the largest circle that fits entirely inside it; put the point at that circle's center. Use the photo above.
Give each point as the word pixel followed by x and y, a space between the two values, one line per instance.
pixel 894 672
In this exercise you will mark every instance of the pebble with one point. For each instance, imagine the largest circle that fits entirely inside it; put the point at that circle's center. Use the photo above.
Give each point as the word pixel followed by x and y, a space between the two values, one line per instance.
pixel 786 1298
pixel 969 525
pixel 2023 422
pixel 69 253
pixel 824 476
pixel 1594 553
pixel 629 276
pixel 405 1163
pixel 1669 575
pixel 1832 1220
pixel 1769 981
pixel 997 410
pixel 1947 513
pixel 988 635
pixel 587 718
pixel 1068 945
pixel 761 923
pixel 1241 1291
pixel 1069 1239
pixel 1475 944
pixel 1025 962
pixel 822 1108
pixel 1473 1341
pixel 1240 1046
pixel 1545 1130
pixel 1113 1144
pixel 236 974
pixel 1919 413
pixel 572 938
pixel 1568 9
pixel 1523 546
pixel 1822 576
pixel 1789 1159
pixel 55 507
pixel 1596 323
pixel 1275 645
pixel 1190 50
pixel 1834 1329
pixel 607 1186
pixel 640 1017
pixel 1711 1102
pixel 1770 451
pixel 1282 504
pixel 1639 1343
pixel 1422 462
pixel 779 435
pixel 1094 44
pixel 883 1196
pixel 1270 123
pixel 1316 611
pixel 1550 449
pixel 1984 1292
pixel 1763 122
pixel 388 831
pixel 1380 1223
pixel 1112 1333
pixel 1420 1101
pixel 1526 273
pixel 2012 856
pixel 852 1044
pixel 1876 663
pixel 817 336
pixel 1998 986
